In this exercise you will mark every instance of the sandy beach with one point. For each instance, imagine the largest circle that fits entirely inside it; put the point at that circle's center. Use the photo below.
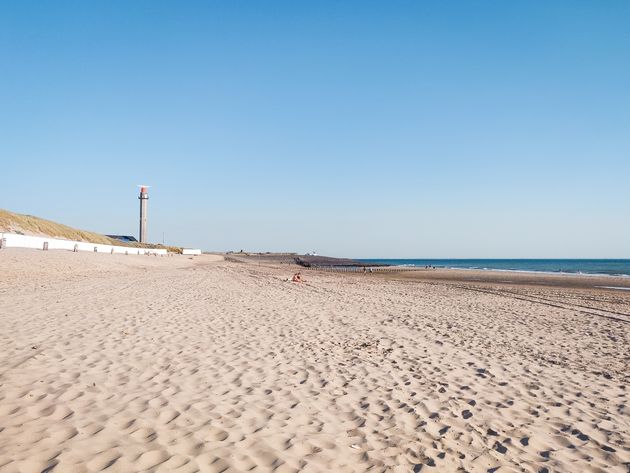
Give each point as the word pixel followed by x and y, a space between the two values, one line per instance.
pixel 176 364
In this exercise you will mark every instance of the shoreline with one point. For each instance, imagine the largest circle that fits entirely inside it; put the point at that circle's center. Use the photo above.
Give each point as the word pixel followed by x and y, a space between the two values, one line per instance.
pixel 334 263
pixel 525 271
pixel 504 277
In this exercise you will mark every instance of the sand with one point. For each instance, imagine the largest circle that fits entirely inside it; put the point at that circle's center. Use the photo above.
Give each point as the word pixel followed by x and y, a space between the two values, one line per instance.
pixel 134 363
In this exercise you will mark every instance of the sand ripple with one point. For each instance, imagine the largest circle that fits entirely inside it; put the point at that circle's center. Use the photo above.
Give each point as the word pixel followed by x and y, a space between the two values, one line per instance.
pixel 130 364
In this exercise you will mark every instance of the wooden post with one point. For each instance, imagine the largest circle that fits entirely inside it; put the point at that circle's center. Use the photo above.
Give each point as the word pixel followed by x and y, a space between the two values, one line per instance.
pixel 45 248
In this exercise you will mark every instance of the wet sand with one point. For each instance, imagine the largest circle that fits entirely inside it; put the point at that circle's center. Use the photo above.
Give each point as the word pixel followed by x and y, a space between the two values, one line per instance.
pixel 581 281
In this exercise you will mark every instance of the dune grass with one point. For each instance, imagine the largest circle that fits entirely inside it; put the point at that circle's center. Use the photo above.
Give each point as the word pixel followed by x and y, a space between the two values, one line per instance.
pixel 30 225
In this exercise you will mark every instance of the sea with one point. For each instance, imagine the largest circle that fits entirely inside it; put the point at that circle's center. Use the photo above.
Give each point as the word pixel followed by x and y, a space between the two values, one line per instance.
pixel 607 267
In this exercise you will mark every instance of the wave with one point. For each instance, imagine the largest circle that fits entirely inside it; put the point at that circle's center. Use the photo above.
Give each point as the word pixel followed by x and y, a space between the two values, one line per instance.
pixel 609 268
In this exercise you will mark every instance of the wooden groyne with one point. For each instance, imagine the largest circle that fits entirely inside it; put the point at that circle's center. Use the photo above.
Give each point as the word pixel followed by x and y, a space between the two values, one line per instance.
pixel 364 269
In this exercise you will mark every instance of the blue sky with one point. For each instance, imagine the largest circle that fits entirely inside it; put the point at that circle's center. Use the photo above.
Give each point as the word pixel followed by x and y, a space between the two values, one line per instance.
pixel 362 129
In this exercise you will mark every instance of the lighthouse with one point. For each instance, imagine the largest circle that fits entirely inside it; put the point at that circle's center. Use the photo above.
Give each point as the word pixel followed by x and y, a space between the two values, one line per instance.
pixel 144 200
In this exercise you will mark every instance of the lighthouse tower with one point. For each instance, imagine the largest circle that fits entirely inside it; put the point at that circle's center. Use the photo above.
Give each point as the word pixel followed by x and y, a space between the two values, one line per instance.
pixel 144 200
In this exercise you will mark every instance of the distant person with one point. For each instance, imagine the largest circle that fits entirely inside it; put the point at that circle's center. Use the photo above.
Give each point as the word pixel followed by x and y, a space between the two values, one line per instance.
pixel 297 277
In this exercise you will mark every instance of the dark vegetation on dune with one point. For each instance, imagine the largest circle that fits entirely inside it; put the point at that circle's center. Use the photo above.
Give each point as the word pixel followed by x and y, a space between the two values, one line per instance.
pixel 306 261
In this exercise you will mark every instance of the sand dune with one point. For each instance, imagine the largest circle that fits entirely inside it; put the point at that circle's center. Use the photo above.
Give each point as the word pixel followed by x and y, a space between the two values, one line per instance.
pixel 145 364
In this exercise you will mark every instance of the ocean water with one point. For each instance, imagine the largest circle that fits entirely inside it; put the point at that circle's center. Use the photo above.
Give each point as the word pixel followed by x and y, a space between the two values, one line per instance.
pixel 610 267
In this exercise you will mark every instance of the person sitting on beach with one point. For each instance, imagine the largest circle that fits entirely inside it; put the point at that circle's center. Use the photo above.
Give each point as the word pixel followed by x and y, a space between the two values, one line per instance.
pixel 297 277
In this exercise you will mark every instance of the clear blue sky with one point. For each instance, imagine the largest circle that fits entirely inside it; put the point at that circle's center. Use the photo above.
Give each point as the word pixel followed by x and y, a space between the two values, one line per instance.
pixel 362 129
